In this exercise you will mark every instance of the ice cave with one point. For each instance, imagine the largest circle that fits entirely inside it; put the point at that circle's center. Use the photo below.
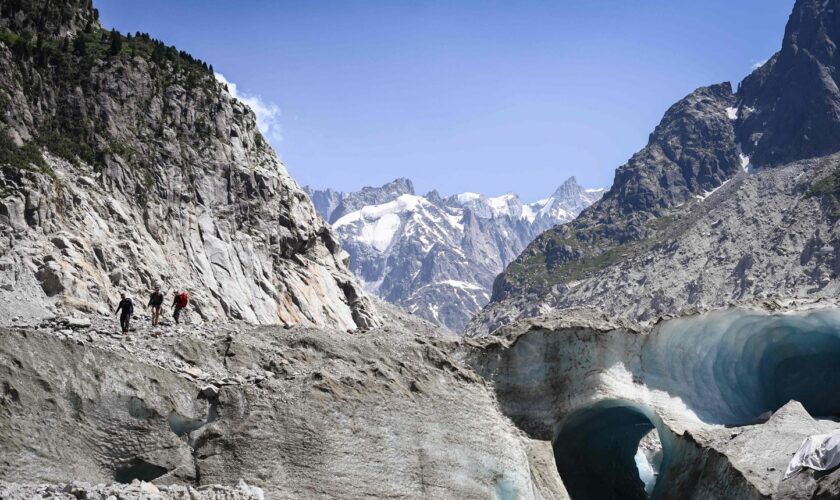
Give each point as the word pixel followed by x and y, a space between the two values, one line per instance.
pixel 597 451
pixel 728 368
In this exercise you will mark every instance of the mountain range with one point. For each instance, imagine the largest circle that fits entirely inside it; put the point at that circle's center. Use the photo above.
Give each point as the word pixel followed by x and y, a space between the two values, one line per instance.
pixel 437 257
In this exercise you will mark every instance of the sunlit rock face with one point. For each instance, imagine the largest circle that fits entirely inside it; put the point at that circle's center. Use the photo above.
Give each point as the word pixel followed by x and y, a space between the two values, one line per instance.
pixel 731 395
pixel 144 172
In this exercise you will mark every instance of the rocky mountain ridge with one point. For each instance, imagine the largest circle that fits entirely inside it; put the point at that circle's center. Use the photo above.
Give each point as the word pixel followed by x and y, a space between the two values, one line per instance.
pixel 125 164
pixel 434 256
pixel 667 195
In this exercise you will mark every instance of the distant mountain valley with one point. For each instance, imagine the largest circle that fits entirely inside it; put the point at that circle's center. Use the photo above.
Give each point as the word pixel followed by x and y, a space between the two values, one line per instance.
pixel 437 257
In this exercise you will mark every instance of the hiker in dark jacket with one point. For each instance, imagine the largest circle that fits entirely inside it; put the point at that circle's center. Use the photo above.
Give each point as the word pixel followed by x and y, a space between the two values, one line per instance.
pixel 127 307
pixel 180 302
pixel 155 302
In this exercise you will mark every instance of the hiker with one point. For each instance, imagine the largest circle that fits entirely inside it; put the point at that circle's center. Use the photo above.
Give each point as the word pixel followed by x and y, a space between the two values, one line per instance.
pixel 127 310
pixel 180 302
pixel 155 302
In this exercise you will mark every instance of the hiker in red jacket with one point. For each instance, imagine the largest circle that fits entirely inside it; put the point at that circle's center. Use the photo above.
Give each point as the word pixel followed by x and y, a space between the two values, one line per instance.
pixel 180 302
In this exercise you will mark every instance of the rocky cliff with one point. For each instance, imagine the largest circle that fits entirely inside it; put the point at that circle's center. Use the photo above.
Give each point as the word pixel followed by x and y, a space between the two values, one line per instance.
pixel 125 164
pixel 438 257
pixel 669 236
pixel 789 109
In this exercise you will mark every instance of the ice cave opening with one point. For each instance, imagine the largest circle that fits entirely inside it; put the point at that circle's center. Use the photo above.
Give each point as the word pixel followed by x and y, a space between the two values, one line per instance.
pixel 598 453
pixel 138 469
pixel 736 367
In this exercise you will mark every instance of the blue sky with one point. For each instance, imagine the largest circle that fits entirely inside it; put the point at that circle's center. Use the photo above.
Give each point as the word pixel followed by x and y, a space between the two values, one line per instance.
pixel 488 96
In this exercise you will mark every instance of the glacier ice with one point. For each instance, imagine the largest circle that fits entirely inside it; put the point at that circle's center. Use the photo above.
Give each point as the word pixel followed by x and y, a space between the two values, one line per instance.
pixel 596 391
pixel 730 367
pixel 596 447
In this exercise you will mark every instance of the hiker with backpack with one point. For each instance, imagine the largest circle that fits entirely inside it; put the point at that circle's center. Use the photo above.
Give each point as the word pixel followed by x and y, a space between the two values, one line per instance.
pixel 155 302
pixel 180 302
pixel 127 307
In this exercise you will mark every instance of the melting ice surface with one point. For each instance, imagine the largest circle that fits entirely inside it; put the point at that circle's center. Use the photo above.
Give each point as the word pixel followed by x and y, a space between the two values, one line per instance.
pixel 646 472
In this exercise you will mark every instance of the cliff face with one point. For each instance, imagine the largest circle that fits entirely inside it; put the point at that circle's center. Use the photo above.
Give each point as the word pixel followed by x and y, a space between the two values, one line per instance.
pixel 790 108
pixel 125 164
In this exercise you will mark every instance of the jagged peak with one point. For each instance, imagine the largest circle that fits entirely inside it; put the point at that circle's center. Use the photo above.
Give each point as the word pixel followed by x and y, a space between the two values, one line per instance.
pixel 569 188
pixel 800 30
pixel 402 183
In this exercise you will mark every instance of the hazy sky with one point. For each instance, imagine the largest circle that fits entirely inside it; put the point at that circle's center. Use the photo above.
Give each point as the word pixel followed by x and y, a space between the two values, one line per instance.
pixel 484 95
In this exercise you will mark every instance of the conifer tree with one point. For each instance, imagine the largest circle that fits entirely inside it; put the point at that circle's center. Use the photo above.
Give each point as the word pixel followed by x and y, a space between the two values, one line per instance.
pixel 116 43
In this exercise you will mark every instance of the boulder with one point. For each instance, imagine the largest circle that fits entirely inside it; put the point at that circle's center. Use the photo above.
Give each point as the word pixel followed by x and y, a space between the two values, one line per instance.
pixel 77 322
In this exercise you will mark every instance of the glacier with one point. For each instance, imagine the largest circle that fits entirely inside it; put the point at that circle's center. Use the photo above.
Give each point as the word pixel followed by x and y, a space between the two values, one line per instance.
pixel 734 390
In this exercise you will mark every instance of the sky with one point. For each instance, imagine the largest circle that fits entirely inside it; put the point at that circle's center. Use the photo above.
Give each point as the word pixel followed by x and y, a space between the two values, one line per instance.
pixel 486 96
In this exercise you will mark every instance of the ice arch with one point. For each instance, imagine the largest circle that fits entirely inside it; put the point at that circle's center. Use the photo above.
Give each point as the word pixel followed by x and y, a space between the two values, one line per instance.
pixel 732 367
pixel 595 450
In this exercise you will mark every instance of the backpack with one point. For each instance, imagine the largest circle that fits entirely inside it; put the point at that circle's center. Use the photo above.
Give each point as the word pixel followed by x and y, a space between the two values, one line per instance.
pixel 183 299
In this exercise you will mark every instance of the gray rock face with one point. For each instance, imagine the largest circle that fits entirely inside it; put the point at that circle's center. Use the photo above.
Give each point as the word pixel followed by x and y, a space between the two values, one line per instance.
pixel 759 237
pixel 325 202
pixel 54 19
pixel 637 251
pixel 691 150
pixel 438 257
pixel 122 171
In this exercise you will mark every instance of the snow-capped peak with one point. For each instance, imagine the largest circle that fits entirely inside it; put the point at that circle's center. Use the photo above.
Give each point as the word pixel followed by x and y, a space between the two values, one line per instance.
pixel 466 197
pixel 376 225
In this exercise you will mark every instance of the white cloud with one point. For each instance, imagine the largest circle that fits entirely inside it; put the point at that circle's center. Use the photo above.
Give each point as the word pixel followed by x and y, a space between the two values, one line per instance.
pixel 268 113
pixel 759 64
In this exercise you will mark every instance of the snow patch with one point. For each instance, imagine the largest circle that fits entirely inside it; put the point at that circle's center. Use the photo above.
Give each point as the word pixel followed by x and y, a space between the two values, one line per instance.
pixel 379 223
pixel 467 197
pixel 746 166
pixel 732 113
pixel 381 232
pixel 405 203
pixel 706 194
pixel 528 213
pixel 460 284
pixel 501 205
